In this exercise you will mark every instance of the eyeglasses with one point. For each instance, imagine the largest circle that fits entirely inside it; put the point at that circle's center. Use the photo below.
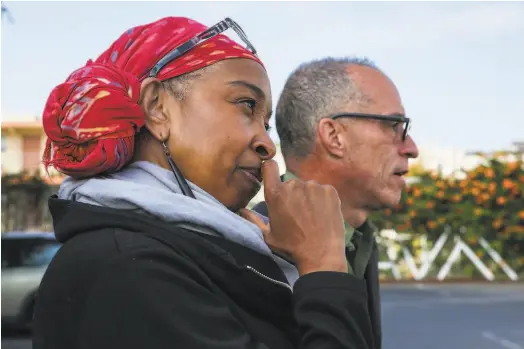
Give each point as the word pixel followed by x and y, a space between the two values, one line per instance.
pixel 395 119
pixel 200 38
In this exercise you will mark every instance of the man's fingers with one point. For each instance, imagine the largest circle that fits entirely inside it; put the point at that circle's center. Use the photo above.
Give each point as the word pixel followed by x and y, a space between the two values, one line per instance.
pixel 271 176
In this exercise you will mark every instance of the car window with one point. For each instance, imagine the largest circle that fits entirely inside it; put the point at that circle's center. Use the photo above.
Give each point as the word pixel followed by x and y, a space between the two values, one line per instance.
pixel 28 252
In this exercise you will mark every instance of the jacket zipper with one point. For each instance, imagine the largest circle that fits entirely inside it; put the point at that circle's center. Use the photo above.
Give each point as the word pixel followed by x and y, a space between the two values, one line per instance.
pixel 279 283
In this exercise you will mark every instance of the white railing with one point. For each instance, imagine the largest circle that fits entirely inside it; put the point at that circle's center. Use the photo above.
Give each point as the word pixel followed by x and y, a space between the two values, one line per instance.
pixel 395 243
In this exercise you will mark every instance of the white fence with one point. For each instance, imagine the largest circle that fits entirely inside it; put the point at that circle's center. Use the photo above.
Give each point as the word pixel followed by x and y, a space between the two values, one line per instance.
pixel 399 255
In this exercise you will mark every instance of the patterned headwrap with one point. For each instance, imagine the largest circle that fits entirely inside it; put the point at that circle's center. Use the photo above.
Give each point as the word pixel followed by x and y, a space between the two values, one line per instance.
pixel 92 118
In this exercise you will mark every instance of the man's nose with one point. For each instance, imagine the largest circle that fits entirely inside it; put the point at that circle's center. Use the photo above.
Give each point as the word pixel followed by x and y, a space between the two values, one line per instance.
pixel 409 148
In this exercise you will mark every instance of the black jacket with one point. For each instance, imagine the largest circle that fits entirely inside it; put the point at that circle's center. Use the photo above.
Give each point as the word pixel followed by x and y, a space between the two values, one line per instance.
pixel 371 277
pixel 123 280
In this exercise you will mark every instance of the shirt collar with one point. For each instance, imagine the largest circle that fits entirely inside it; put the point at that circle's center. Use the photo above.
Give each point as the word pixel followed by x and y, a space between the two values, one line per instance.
pixel 349 229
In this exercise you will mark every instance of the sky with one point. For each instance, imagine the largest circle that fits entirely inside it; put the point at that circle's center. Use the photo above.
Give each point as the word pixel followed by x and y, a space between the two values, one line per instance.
pixel 458 65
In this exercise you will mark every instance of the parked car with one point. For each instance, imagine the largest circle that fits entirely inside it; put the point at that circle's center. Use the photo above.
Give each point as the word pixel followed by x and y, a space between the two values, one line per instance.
pixel 25 257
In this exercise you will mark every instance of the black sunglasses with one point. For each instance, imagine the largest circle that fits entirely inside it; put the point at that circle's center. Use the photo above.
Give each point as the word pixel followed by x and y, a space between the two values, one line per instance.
pixel 396 119
pixel 200 38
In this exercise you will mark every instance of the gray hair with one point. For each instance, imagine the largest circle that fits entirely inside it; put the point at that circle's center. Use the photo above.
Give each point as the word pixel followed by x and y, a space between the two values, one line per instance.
pixel 313 91
pixel 179 86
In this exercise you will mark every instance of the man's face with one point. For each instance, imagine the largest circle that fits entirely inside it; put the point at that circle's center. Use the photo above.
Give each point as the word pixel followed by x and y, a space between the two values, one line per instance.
pixel 377 156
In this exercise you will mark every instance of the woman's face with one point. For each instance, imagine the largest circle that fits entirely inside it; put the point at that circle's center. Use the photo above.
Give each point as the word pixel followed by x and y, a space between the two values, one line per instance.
pixel 218 134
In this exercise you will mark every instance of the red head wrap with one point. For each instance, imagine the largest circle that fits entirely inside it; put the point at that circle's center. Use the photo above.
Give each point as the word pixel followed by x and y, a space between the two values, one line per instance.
pixel 91 119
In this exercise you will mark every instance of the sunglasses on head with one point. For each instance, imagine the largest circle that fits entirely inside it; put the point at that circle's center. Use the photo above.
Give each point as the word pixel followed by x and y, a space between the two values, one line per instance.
pixel 396 119
pixel 207 34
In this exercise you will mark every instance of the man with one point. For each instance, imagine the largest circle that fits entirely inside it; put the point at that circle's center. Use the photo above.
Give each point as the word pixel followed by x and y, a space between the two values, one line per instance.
pixel 341 122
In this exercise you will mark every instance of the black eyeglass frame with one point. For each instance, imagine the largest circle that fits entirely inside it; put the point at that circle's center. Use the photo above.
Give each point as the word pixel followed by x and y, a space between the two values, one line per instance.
pixel 394 118
pixel 207 34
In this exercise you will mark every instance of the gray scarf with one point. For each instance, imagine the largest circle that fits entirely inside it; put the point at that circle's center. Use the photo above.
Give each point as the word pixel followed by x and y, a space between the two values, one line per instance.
pixel 148 189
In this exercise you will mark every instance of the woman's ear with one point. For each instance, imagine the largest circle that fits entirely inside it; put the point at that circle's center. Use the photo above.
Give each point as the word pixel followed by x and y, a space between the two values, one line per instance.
pixel 153 99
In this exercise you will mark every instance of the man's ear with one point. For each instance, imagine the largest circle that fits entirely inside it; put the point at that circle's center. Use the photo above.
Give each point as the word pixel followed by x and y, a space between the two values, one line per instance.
pixel 330 136
pixel 153 99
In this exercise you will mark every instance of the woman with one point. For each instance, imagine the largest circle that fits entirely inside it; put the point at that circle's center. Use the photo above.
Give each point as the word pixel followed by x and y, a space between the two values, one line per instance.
pixel 163 138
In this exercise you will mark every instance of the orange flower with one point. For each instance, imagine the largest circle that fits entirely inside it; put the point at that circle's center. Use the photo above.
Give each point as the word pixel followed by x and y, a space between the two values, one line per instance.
pixel 456 198
pixel 432 224
pixel 463 184
pixel 485 196
pixel 387 212
pixel 490 173
pixel 477 211
pixel 479 200
pixel 410 201
pixel 492 188
pixel 501 200
pixel 521 215
pixel 416 192
pixel 412 213
pixel 430 204
pixel 475 191
pixel 521 179
pixel 511 167
pixel 497 223
pixel 440 194
pixel 507 183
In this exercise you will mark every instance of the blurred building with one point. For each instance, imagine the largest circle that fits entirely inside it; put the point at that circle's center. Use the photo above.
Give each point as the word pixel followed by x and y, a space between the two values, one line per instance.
pixel 23 144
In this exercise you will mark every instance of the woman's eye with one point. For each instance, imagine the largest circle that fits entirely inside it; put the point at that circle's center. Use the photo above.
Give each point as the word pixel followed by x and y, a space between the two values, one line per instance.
pixel 251 104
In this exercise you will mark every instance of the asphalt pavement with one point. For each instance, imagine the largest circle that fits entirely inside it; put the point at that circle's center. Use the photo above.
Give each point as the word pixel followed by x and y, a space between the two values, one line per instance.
pixel 433 316
pixel 444 316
